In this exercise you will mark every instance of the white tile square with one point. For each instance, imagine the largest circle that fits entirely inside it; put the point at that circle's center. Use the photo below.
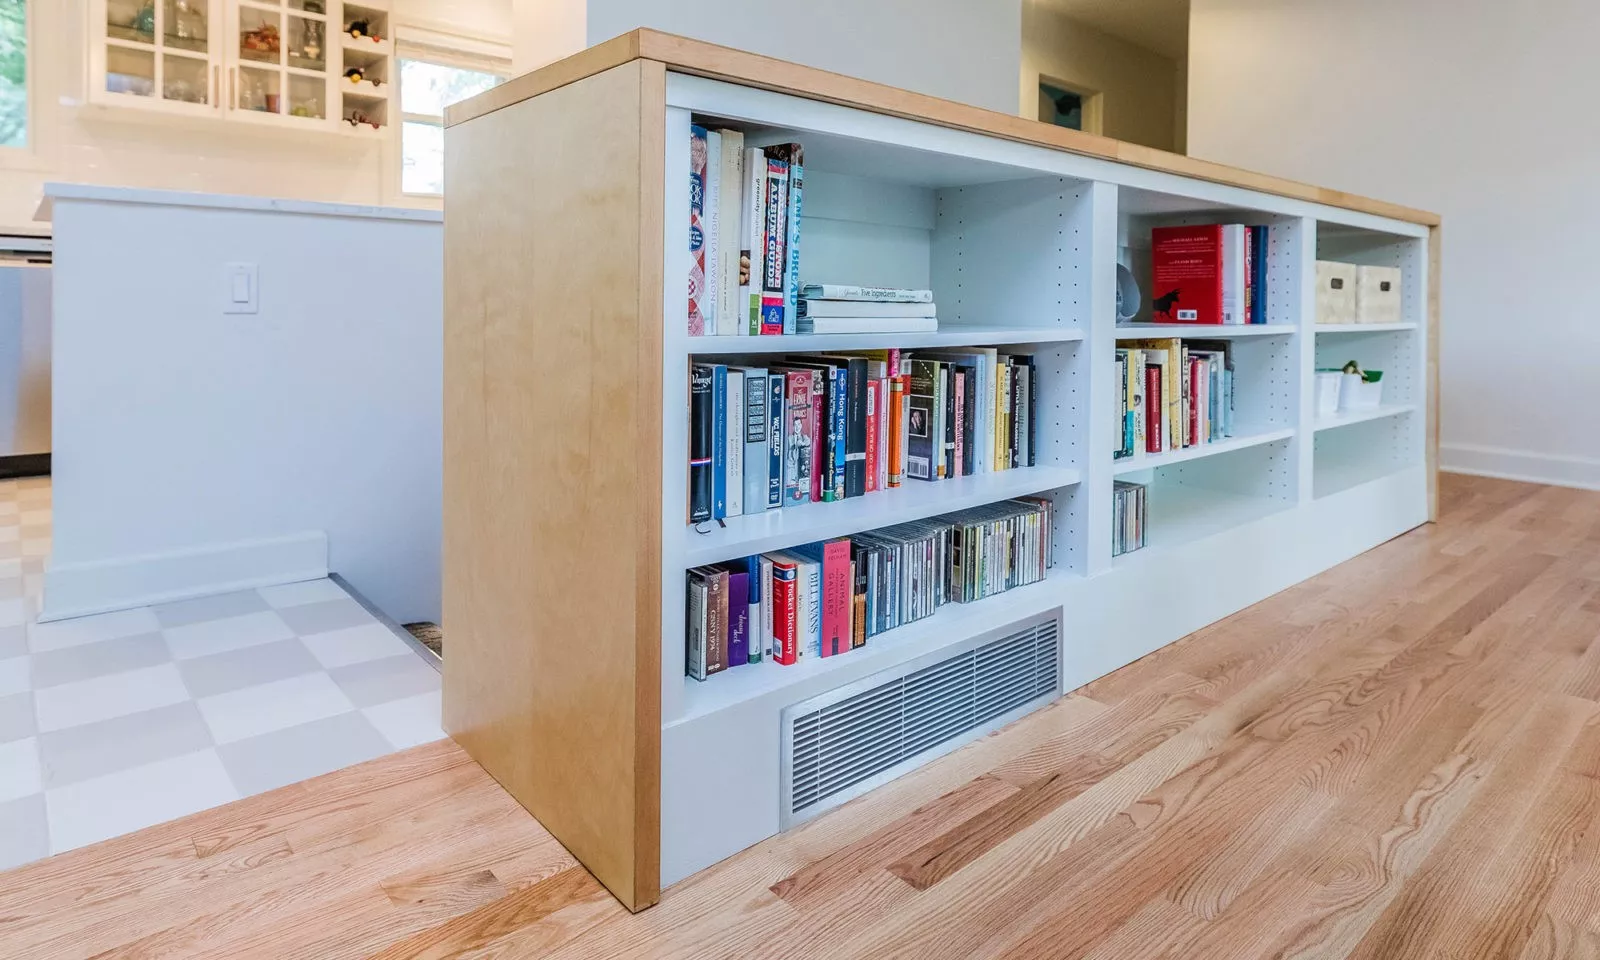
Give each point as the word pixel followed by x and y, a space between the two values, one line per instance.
pixel 15 676
pixel 36 516
pixel 273 706
pixel 118 803
pixel 406 723
pixel 304 592
pixel 230 633
pixel 338 648
pixel 36 548
pixel 103 626
pixel 11 568
pixel 10 534
pixel 116 695
pixel 19 769
pixel 13 611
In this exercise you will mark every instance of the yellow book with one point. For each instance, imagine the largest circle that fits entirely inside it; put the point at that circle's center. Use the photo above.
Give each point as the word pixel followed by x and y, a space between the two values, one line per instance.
pixel 1002 412
pixel 1171 391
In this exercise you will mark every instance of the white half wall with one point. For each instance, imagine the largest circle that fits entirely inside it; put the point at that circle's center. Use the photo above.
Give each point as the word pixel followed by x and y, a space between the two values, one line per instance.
pixel 197 451
pixel 966 50
pixel 1476 110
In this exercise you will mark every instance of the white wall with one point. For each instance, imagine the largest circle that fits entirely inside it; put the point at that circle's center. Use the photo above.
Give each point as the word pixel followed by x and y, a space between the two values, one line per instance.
pixel 196 451
pixel 128 148
pixel 964 50
pixel 1478 110
pixel 1138 87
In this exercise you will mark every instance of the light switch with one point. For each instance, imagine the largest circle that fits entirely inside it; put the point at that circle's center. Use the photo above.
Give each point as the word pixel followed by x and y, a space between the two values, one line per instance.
pixel 243 294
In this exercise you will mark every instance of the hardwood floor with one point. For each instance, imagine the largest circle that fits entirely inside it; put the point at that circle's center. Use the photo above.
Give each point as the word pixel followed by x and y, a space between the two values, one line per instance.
pixel 1399 758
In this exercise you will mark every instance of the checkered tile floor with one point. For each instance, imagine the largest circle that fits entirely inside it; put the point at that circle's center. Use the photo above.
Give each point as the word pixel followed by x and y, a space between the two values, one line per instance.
pixel 115 722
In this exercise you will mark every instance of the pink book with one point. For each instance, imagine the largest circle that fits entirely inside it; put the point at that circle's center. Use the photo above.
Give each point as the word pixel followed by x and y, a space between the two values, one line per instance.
pixel 837 593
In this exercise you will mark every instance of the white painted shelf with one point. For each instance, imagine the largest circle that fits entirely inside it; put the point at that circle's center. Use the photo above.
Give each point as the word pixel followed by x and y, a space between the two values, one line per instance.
pixel 1179 514
pixel 951 336
pixel 913 500
pixel 1362 416
pixel 1152 460
pixel 1363 327
pixel 953 623
pixel 1193 331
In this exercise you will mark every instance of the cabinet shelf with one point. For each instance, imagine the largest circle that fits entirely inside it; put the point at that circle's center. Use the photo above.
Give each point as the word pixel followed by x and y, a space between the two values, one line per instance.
pixel 914 500
pixel 1362 416
pixel 1336 328
pixel 1212 331
pixel 1244 441
pixel 952 336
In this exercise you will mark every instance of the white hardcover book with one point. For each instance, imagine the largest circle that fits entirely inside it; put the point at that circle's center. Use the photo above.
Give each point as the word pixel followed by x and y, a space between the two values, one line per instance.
pixel 757 395
pixel 842 291
pixel 730 210
pixel 753 230
pixel 711 225
pixel 854 308
pixel 811 577
pixel 764 564
pixel 883 433
pixel 823 325
pixel 1233 273
pixel 735 442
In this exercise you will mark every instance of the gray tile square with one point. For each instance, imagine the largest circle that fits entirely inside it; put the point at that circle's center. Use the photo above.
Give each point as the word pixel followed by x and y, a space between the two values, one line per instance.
pixel 246 667
pixel 122 743
pixel 298 753
pixel 24 831
pixel 379 681
pixel 184 612
pixel 16 717
pixel 328 615
pixel 13 641
pixel 52 668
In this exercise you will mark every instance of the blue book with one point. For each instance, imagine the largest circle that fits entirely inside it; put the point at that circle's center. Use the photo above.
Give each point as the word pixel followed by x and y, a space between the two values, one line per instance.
pixel 791 297
pixel 753 571
pixel 719 442
pixel 775 422
pixel 1258 308
pixel 839 395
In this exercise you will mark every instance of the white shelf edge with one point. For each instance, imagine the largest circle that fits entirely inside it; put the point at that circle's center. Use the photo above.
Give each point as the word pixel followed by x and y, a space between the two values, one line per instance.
pixel 1363 327
pixel 1363 416
pixel 954 623
pixel 1210 331
pixel 915 500
pixel 1152 460
pixel 951 336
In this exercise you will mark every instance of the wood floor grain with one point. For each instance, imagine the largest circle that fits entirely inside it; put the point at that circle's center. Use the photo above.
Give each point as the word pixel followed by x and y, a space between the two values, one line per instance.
pixel 1397 759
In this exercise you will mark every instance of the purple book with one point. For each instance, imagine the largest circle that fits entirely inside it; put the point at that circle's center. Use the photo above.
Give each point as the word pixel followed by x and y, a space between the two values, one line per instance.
pixel 738 618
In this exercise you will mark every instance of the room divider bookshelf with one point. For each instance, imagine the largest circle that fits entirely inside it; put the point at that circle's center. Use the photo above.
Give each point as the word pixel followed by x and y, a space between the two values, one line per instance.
pixel 566 434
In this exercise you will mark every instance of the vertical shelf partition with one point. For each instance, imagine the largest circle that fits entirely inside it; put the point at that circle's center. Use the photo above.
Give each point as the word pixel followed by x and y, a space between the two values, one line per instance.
pixel 566 431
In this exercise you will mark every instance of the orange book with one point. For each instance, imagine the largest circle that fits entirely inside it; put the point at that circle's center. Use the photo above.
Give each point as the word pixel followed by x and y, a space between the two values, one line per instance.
pixel 897 393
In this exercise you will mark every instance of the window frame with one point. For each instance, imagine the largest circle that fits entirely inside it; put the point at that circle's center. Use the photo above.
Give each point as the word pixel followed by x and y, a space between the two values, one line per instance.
pixel 454 52
pixel 25 155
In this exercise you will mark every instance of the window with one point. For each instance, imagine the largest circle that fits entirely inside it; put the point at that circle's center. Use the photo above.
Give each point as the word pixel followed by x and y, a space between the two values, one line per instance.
pixel 425 90
pixel 13 73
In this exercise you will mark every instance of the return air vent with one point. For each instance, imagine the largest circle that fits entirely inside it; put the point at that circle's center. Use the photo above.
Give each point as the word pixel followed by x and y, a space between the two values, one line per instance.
pixel 841 744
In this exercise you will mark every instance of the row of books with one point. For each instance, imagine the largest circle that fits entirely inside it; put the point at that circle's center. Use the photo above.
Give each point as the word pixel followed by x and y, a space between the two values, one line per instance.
pixel 1173 394
pixel 828 598
pixel 1215 273
pixel 818 428
pixel 1127 517
pixel 744 235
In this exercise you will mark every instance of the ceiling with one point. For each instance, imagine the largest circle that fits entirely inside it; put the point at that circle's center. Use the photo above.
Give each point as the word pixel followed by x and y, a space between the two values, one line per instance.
pixel 1159 25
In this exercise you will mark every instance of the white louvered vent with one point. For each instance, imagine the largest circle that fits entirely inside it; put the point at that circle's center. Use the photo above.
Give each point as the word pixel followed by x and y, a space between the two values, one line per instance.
pixel 841 744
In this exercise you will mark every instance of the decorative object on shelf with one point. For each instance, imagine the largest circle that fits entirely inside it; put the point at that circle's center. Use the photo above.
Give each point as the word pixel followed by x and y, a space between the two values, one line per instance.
pixel 1378 294
pixel 1359 389
pixel 272 101
pixel 1129 297
pixel 1336 292
pixel 310 108
pixel 354 75
pixel 263 39
pixel 1328 392
pixel 187 24
pixel 129 83
pixel 313 6
pixel 311 46
pixel 182 91
pixel 144 22
pixel 361 29
pixel 356 119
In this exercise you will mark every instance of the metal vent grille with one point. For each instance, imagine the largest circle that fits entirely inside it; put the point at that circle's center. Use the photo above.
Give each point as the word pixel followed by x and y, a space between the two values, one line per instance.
pixel 838 747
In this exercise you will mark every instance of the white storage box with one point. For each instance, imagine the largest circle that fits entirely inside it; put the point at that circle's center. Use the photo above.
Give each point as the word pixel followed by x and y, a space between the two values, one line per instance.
pixel 1378 295
pixel 1336 292
pixel 1357 394
pixel 1328 393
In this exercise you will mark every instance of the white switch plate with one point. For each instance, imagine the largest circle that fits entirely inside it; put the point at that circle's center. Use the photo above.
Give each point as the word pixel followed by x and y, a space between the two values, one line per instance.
pixel 241 290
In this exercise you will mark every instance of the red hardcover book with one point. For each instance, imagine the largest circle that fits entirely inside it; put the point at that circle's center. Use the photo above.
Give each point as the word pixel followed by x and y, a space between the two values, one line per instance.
pixel 873 388
pixel 1153 409
pixel 1250 255
pixel 1186 274
pixel 785 627
pixel 838 590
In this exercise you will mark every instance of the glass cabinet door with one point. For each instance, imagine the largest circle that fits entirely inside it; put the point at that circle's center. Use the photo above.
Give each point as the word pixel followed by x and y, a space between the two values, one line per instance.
pixel 282 58
pixel 161 50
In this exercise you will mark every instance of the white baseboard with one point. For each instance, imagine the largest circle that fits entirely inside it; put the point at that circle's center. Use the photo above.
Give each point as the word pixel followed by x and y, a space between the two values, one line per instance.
pixel 101 586
pixel 1503 464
